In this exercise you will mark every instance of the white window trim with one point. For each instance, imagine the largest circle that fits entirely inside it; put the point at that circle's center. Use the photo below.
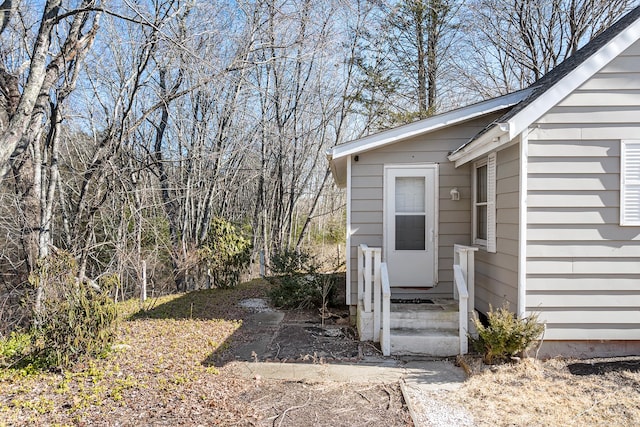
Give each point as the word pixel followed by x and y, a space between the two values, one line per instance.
pixel 489 244
pixel 626 182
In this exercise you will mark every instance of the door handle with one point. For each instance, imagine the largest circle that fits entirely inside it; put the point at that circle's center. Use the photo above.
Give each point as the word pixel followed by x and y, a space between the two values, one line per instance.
pixel 432 235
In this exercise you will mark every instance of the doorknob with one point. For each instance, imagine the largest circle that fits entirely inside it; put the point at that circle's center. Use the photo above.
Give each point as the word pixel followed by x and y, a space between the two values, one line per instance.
pixel 432 234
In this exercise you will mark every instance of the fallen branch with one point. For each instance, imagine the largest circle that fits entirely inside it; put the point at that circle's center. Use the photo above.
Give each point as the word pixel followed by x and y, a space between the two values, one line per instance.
pixel 389 397
pixel 596 403
pixel 292 408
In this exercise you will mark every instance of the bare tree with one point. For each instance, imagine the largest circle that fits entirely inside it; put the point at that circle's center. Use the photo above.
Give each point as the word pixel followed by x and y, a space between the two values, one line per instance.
pixel 32 112
pixel 421 34
pixel 514 43
pixel 292 80
pixel 341 110
pixel 75 28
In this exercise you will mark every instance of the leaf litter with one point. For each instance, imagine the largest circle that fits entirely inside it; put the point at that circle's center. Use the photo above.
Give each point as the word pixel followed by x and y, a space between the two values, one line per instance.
pixel 167 369
pixel 163 372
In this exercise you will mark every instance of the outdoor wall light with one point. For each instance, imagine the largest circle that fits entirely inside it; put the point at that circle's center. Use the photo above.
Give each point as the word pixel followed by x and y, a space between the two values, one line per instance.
pixel 455 194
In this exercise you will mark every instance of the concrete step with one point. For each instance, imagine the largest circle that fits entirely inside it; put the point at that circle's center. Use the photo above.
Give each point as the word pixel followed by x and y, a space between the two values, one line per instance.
pixel 424 316
pixel 442 320
pixel 424 342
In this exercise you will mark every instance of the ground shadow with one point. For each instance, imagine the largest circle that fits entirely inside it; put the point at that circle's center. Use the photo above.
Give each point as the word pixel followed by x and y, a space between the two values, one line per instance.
pixel 216 305
pixel 206 304
pixel 602 368
pixel 267 334
pixel 295 335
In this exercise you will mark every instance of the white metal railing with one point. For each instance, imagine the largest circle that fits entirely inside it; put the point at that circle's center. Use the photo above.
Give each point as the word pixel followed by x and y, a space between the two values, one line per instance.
pixel 464 289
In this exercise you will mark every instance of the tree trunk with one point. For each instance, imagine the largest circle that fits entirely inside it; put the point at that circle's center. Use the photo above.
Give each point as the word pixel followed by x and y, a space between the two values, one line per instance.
pixel 423 103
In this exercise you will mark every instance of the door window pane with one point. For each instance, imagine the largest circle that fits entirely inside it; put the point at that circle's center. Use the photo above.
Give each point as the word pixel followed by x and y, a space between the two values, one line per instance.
pixel 410 232
pixel 410 193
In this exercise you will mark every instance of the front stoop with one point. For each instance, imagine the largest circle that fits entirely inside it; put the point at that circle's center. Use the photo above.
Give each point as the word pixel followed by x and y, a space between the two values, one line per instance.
pixel 425 329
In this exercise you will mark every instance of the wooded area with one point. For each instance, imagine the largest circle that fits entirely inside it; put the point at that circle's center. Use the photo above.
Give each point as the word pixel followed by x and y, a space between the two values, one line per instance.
pixel 185 134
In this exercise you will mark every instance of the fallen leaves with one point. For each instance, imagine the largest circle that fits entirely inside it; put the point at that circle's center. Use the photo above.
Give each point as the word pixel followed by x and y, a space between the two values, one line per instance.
pixel 157 363
pixel 161 372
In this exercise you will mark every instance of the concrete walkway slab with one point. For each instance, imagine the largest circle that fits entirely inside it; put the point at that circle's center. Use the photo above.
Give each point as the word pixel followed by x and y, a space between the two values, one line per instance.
pixel 434 375
pixel 318 372
pixel 265 325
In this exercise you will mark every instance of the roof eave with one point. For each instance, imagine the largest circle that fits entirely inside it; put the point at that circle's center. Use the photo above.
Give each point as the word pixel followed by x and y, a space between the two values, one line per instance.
pixel 489 141
pixel 430 124
pixel 338 178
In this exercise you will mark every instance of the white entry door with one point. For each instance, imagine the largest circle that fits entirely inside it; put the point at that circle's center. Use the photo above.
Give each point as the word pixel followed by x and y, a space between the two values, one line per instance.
pixel 410 225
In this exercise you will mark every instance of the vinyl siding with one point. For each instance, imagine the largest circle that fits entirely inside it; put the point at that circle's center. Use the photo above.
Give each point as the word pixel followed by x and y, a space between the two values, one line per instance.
pixel 454 216
pixel 497 273
pixel 583 268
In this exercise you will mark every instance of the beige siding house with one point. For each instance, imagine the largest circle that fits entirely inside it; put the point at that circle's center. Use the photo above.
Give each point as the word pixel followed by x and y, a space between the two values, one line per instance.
pixel 539 190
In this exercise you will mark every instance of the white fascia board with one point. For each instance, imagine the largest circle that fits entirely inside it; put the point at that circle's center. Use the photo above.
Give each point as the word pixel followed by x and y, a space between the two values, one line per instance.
pixel 573 80
pixel 490 141
pixel 427 125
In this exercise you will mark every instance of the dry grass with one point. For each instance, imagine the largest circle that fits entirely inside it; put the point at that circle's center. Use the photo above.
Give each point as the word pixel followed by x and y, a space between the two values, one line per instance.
pixel 535 393
pixel 162 373
pixel 156 372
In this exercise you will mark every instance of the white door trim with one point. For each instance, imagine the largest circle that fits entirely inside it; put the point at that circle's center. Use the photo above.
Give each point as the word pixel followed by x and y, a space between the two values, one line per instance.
pixel 436 206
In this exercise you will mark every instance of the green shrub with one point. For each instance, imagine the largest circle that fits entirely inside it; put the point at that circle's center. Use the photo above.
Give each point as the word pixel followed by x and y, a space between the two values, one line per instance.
pixel 298 283
pixel 289 261
pixel 74 319
pixel 303 290
pixel 14 347
pixel 505 335
pixel 226 253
